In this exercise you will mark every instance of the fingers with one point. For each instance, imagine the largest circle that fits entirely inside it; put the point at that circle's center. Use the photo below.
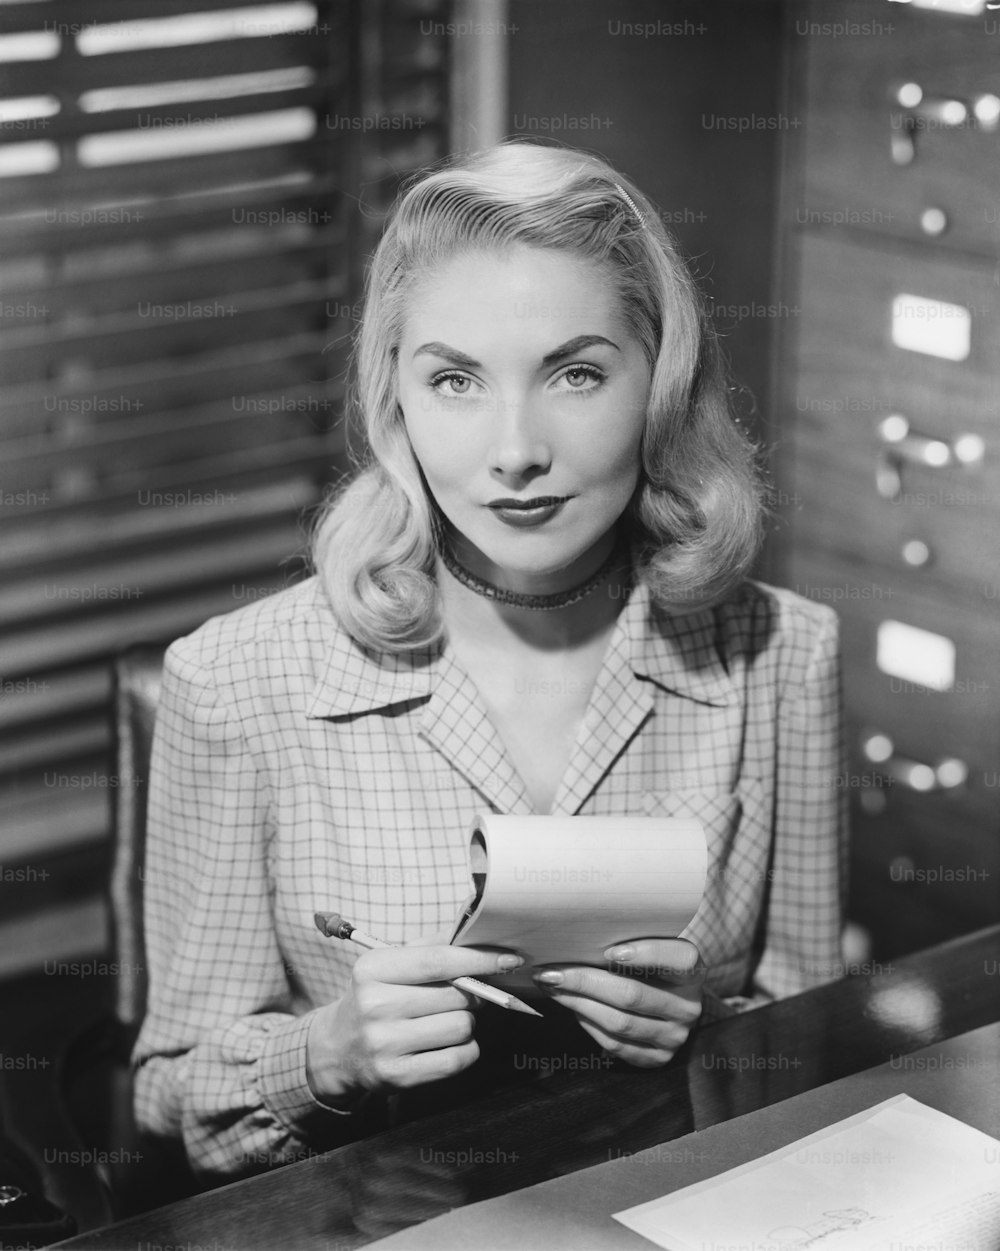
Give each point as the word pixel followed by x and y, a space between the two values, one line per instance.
pixel 425 1049
pixel 378 1000
pixel 385 1049
pixel 636 1054
pixel 387 987
pixel 419 965
pixel 407 1024
pixel 427 1066
pixel 641 1012
pixel 628 1008
pixel 667 959
pixel 628 996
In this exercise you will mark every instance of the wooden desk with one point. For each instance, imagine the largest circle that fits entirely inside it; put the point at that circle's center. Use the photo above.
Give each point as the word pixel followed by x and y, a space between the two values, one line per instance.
pixel 550 1126
pixel 574 1213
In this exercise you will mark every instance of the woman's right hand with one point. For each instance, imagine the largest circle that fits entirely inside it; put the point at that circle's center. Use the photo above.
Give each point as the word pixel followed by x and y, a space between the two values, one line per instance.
pixel 399 1023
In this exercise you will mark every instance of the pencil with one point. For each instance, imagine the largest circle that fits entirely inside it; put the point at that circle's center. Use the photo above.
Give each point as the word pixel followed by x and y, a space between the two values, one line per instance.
pixel 333 925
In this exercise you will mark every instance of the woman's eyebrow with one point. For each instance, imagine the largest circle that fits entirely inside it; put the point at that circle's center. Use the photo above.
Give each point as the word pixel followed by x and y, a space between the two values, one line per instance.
pixel 447 353
pixel 572 346
pixel 569 348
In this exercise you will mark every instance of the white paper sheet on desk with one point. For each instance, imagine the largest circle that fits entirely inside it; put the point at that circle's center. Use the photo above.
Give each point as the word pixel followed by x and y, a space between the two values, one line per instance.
pixel 896 1177
pixel 565 888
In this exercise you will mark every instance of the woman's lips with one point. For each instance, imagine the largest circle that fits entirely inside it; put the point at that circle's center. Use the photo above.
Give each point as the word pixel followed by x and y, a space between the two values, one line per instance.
pixel 532 512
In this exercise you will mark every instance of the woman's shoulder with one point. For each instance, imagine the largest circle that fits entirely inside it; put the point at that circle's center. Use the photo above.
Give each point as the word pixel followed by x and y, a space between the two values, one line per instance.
pixel 292 629
pixel 779 610
pixel 778 631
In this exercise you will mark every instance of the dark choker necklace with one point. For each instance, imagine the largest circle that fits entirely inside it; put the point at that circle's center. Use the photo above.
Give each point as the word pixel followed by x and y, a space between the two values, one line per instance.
pixel 535 603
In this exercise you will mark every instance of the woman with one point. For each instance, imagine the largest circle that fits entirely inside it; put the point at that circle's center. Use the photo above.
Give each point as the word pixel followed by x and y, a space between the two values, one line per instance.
pixel 531 599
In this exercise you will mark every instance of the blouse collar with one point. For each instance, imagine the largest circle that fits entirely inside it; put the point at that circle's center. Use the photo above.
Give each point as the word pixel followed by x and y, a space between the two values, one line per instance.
pixel 681 653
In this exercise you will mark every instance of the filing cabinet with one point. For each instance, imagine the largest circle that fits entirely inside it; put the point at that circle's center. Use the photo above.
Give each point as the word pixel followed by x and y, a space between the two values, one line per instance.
pixel 932 496
pixel 888 437
pixel 902 113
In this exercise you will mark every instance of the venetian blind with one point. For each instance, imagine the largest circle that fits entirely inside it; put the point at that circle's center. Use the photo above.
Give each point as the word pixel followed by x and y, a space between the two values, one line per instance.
pixel 187 190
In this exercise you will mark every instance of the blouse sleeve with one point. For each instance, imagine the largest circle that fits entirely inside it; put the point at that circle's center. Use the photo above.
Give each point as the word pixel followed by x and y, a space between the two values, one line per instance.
pixel 220 1058
pixel 808 870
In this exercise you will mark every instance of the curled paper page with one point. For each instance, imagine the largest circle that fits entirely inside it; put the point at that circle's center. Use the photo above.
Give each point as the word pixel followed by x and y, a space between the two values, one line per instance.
pixel 565 888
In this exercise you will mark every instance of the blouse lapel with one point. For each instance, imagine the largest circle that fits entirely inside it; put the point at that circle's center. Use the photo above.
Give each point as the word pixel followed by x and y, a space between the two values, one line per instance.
pixel 456 722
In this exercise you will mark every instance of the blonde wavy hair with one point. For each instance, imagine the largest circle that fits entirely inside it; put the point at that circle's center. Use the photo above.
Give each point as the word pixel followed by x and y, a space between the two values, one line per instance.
pixel 695 518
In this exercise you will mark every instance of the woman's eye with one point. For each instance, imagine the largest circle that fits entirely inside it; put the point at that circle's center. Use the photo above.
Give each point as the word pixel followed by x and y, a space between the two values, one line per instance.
pixel 452 384
pixel 581 378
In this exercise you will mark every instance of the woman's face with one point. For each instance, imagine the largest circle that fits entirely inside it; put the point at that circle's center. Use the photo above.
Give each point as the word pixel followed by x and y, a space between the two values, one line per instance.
pixel 524 396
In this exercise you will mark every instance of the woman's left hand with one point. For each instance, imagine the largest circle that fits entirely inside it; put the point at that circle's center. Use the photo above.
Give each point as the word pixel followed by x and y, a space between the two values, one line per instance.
pixel 642 1009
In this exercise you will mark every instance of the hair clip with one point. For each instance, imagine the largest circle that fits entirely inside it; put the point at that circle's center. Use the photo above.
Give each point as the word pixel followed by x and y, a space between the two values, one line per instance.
pixel 630 202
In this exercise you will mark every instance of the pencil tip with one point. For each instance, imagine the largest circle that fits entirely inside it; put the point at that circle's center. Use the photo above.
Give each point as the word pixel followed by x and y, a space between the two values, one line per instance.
pixel 518 1006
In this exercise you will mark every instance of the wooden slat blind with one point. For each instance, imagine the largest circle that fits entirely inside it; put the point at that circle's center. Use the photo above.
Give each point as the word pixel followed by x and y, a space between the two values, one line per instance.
pixel 181 249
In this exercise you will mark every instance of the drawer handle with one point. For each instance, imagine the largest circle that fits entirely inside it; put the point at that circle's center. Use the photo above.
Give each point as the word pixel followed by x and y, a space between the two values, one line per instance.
pixel 948 773
pixel 902 445
pixel 916 553
pixel 928 112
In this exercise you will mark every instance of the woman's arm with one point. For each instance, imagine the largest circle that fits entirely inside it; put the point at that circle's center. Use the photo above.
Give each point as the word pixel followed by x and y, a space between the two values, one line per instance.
pixel 223 1062
pixel 809 867
pixel 222 1059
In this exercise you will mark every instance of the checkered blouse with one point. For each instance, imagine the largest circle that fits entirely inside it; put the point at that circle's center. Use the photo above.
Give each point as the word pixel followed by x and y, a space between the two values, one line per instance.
pixel 293 772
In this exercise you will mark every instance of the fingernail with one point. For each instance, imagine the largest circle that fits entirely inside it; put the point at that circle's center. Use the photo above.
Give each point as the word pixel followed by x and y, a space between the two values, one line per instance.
pixel 549 977
pixel 620 953
pixel 505 964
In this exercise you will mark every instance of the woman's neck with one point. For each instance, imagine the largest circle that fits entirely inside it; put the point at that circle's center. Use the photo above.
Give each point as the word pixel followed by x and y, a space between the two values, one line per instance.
pixel 489 625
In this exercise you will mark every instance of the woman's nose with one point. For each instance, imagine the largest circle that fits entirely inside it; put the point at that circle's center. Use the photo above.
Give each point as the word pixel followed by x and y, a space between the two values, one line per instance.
pixel 521 444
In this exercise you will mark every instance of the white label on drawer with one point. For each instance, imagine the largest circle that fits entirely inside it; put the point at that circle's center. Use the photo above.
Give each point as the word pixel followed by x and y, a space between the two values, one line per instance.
pixel 916 656
pixel 931 326
pixel 971 7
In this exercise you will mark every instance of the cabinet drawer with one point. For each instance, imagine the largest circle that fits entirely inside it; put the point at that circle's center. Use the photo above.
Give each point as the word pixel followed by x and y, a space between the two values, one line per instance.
pixel 941 530
pixel 916 847
pixel 850 372
pixel 858 487
pixel 920 871
pixel 879 160
pixel 930 711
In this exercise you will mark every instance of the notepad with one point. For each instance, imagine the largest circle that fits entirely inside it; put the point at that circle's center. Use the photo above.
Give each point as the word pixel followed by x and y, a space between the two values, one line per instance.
pixel 896 1177
pixel 563 889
